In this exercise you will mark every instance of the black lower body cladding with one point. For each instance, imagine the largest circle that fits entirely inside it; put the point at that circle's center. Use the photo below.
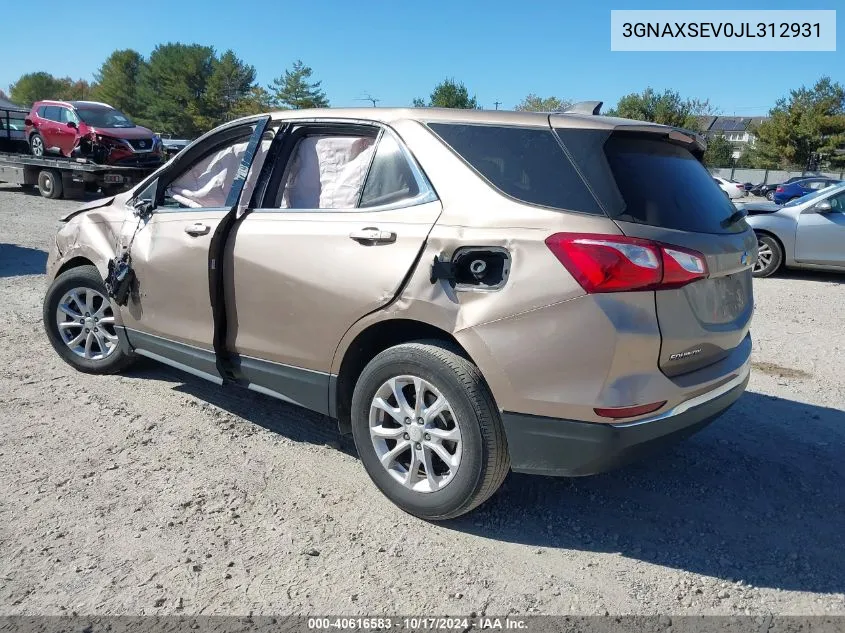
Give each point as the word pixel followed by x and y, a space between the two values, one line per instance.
pixel 549 446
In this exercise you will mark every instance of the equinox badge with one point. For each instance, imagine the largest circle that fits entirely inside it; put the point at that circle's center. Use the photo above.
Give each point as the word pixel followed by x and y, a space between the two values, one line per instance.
pixel 681 355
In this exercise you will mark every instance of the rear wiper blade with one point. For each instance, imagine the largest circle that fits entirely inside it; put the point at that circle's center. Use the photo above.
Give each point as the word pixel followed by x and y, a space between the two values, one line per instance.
pixel 735 217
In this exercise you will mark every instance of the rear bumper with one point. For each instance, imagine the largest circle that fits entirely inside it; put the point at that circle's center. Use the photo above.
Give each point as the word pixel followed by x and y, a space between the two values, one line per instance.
pixel 550 446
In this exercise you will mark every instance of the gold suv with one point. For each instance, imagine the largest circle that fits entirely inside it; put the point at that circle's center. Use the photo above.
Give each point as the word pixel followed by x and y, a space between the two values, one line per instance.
pixel 466 292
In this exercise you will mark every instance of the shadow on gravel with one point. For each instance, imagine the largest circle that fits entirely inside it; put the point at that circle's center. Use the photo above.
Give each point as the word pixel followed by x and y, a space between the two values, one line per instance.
pixel 19 260
pixel 757 496
pixel 809 275
pixel 295 423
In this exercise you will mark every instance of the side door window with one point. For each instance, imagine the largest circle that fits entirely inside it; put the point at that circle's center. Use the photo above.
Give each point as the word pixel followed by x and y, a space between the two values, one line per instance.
pixel 326 171
pixel 393 178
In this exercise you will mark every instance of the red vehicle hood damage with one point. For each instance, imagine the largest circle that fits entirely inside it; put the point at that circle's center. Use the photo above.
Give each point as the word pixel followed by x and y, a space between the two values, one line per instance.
pixel 121 132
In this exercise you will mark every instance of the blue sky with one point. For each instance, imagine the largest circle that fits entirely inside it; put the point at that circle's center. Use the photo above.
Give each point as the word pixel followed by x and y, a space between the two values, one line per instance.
pixel 502 50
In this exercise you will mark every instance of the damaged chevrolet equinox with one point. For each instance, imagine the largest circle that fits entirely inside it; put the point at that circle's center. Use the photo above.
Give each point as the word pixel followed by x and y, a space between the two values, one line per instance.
pixel 465 292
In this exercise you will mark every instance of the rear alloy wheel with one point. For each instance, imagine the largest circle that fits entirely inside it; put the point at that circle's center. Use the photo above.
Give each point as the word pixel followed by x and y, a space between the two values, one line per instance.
pixel 427 430
pixel 770 195
pixel 769 256
pixel 80 322
pixel 36 145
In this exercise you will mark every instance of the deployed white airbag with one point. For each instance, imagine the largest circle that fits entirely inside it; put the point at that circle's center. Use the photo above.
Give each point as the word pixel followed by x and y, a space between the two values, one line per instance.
pixel 327 172
pixel 207 183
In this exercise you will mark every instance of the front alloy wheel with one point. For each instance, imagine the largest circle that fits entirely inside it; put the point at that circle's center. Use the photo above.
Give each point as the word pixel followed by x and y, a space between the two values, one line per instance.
pixel 80 322
pixel 86 323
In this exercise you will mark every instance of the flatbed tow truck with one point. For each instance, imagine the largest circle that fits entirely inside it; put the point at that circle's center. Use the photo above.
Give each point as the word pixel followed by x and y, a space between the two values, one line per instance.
pixel 57 177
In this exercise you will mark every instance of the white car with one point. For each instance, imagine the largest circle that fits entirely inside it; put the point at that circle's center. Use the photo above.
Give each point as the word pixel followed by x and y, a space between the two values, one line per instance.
pixel 731 189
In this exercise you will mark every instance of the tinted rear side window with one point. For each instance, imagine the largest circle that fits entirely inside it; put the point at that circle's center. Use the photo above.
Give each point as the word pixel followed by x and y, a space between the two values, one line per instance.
pixel 52 113
pixel 664 185
pixel 525 163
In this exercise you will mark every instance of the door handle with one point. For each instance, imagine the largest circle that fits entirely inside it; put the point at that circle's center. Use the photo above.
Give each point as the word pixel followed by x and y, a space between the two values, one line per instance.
pixel 198 228
pixel 373 235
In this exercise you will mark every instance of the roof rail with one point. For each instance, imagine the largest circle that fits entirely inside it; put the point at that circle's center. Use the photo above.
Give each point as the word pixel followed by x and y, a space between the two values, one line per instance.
pixel 584 107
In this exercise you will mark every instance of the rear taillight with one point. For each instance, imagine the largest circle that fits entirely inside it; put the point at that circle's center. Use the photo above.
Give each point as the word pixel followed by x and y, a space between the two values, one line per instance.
pixel 740 186
pixel 617 263
pixel 779 188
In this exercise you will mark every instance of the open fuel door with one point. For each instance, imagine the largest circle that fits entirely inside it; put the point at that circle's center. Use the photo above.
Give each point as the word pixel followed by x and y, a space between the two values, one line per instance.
pixel 174 312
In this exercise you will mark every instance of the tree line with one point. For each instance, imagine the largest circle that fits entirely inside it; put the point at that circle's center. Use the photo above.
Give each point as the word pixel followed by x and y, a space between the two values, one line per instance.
pixel 181 89
pixel 187 89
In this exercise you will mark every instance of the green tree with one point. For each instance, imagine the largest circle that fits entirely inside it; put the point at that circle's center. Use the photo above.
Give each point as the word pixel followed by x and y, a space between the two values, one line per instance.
pixel 117 81
pixel 74 90
pixel 719 152
pixel 33 87
pixel 294 91
pixel 172 88
pixel 231 82
pixel 667 108
pixel 256 101
pixel 809 120
pixel 449 94
pixel 533 103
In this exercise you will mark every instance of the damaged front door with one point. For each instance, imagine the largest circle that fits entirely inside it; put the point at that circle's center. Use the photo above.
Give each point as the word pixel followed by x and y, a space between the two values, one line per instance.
pixel 170 314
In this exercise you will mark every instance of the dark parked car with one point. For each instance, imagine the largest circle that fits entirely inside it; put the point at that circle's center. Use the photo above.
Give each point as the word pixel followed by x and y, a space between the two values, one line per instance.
pixel 88 129
pixel 767 190
pixel 791 191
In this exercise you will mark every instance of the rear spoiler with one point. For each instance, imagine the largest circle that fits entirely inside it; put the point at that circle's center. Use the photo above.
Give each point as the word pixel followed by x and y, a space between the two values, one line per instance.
pixel 584 107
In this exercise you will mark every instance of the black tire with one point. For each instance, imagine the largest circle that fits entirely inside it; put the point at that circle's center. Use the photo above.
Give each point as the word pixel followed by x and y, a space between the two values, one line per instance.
pixel 37 147
pixel 80 277
pixel 770 195
pixel 770 267
pixel 484 462
pixel 50 183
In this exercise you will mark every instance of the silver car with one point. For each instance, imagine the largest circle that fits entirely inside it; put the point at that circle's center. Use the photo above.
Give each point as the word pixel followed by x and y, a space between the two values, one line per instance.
pixel 808 232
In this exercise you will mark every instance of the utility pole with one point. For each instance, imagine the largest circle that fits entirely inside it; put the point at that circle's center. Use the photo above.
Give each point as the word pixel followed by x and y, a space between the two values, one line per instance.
pixel 497 104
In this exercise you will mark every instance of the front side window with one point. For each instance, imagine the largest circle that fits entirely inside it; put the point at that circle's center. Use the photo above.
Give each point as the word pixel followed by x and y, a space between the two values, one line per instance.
pixel 837 202
pixel 206 182
pixel 326 171
pixel 66 116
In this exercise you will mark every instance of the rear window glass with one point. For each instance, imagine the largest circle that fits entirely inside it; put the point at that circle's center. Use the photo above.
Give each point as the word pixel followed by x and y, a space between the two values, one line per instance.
pixel 664 185
pixel 525 163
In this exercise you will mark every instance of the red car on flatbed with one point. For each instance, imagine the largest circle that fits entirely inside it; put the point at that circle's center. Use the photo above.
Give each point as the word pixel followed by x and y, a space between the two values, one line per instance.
pixel 92 130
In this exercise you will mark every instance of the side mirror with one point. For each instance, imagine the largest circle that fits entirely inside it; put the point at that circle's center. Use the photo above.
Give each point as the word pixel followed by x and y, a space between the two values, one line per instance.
pixel 823 207
pixel 27 121
pixel 71 124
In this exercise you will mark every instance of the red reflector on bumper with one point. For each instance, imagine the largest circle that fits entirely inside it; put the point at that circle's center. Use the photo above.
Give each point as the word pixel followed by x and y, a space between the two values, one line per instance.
pixel 629 412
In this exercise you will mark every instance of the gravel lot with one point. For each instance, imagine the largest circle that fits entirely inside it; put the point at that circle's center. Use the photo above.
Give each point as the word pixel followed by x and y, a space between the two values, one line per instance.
pixel 156 493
